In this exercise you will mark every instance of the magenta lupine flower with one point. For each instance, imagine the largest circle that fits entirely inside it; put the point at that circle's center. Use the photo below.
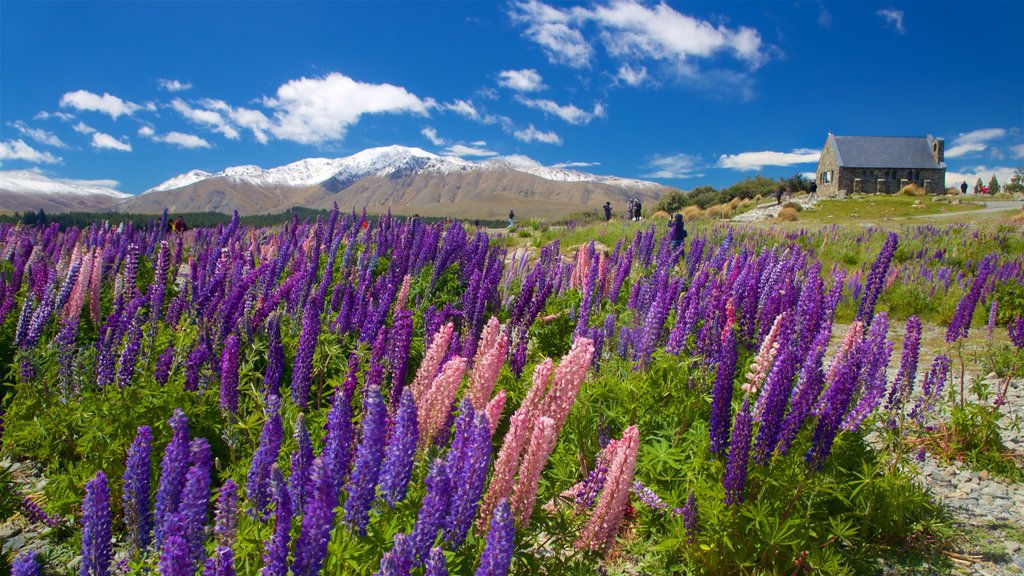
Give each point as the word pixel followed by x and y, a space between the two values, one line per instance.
pixel 721 396
pixel 433 510
pixel 26 565
pixel 876 279
pixel 603 524
pixel 1016 331
pixel 275 550
pixel 497 555
pixel 257 485
pixel 302 460
pixel 195 496
pixel 176 557
pixel 524 495
pixel 317 521
pixel 469 474
pixel 992 312
pixel 96 547
pixel 903 385
pixel 961 322
pixel 138 514
pixel 362 484
pixel 172 473
pixel 399 560
pixel 163 365
pixel 436 565
pixel 398 457
pixel 691 518
pixel 229 375
pixel 735 478
pixel 337 451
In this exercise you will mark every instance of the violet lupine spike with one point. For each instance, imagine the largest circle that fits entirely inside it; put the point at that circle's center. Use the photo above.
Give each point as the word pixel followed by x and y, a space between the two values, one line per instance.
pixel 812 377
pixel 138 514
pixel 36 515
pixel 835 401
pixel 497 555
pixel 176 555
pixel 362 484
pixel 931 389
pixel 1015 330
pixel 647 496
pixel 469 475
pixel 876 279
pixel 721 396
pixel 172 473
pixel 26 565
pixel 317 521
pixel 257 485
pixel 302 460
pixel 735 478
pixel 433 509
pixel 992 312
pixel 877 351
pixel 97 551
pixel 691 518
pixel 229 375
pixel 302 368
pixel 400 452
pixel 337 451
pixel 436 565
pixel 961 322
pixel 399 560
pixel 776 396
pixel 226 530
pixel 195 496
pixel 903 385
pixel 275 359
pixel 275 550
pixel 163 365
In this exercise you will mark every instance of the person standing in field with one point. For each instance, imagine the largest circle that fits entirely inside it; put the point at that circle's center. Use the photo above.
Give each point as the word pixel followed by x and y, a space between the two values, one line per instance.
pixel 607 211
pixel 963 188
pixel 678 236
pixel 511 218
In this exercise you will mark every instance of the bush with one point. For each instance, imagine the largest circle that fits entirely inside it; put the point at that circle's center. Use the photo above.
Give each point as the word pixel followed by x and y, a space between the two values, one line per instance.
pixel 952 191
pixel 720 211
pixel 691 213
pixel 794 205
pixel 786 215
pixel 912 190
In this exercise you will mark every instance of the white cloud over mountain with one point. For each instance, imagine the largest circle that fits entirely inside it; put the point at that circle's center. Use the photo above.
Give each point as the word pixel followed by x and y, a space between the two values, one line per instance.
pixel 974 141
pixel 567 112
pixel 758 160
pixel 675 166
pixel 106 104
pixel 532 134
pixel 19 150
pixel 38 134
pixel 210 118
pixel 102 141
pixel 462 150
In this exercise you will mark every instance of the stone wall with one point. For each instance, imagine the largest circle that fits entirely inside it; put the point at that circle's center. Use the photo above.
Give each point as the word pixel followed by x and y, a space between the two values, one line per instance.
pixel 827 164
pixel 889 180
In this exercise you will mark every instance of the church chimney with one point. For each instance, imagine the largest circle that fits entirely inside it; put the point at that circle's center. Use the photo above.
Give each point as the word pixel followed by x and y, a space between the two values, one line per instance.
pixel 939 150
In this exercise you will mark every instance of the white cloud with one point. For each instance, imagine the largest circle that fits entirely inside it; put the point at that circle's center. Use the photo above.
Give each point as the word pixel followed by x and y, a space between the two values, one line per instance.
pixel 209 118
pixel 105 183
pixel 970 174
pixel 461 150
pixel 893 19
pixel 521 160
pixel 316 110
pixel 532 134
pixel 173 85
pixel 247 118
pixel 632 76
pixel 1017 150
pixel 38 134
pixel 83 128
pixel 19 150
pixel 824 17
pixel 521 80
pixel 146 131
pixel 44 115
pixel 675 166
pixel 575 164
pixel 758 160
pixel 973 141
pixel 553 30
pixel 107 104
pixel 431 134
pixel 569 112
pixel 631 30
pixel 103 141
pixel 182 140
pixel 463 108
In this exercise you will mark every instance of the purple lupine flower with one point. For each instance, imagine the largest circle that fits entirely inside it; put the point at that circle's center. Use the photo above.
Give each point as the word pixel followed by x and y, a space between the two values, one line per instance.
pixel 362 484
pixel 469 475
pixel 337 450
pixel 433 510
pixel 398 353
pixel 877 351
pixel 65 343
pixel 302 460
pixel 194 364
pixel 138 514
pixel 275 550
pixel 36 515
pixel 317 521
pixel 25 565
pixel 876 279
pixel 399 560
pixel 130 354
pixel 721 395
pixel 812 378
pixel 931 389
pixel 992 312
pixel 195 496
pixel 229 375
pixel 592 485
pixel 903 385
pixel 497 555
pixel 436 565
pixel 96 547
pixel 176 556
pixel 257 485
pixel 1015 329
pixel 172 473
pixel 691 518
pixel 835 401
pixel 226 528
pixel 398 457
pixel 302 368
pixel 647 496
pixel 776 394
pixel 735 479
pixel 163 365
pixel 275 359
pixel 961 322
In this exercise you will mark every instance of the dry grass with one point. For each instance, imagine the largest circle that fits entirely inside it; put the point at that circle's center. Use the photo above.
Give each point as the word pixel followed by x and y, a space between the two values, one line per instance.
pixel 660 215
pixel 746 203
pixel 786 215
pixel 952 191
pixel 734 203
pixel 912 190
pixel 691 213
pixel 719 211
pixel 1018 218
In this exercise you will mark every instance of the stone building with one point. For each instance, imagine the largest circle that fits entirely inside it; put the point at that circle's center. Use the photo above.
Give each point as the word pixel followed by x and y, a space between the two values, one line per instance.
pixel 881 164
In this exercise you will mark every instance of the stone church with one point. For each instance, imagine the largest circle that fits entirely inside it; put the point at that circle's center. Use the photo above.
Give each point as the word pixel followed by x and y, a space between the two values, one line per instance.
pixel 881 164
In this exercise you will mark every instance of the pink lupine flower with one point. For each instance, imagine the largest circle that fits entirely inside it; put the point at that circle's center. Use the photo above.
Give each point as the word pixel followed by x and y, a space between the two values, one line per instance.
pixel 765 356
pixel 542 442
pixel 95 279
pixel 494 409
pixel 600 530
pixel 853 337
pixel 436 403
pixel 73 308
pixel 488 336
pixel 485 371
pixel 403 293
pixel 505 468
pixel 566 383
pixel 431 362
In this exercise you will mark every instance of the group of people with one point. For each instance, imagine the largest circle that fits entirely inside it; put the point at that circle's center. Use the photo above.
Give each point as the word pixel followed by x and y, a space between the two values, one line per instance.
pixel 634 207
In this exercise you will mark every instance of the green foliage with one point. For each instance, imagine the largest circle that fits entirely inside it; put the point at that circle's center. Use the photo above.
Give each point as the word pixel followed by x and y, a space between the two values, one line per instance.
pixel 1016 183
pixel 993 185
pixel 1010 296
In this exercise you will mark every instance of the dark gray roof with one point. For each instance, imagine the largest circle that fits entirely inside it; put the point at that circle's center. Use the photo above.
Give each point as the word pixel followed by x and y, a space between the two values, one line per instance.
pixel 884 152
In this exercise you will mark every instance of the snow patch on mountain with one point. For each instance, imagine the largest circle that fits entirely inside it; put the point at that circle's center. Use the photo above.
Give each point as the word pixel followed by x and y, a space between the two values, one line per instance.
pixel 31 182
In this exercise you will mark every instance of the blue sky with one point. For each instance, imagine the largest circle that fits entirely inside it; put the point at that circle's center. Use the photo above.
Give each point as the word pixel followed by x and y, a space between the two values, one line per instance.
pixel 683 93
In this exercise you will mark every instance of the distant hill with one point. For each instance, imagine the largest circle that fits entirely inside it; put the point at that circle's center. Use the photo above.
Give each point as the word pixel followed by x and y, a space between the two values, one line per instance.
pixel 28 191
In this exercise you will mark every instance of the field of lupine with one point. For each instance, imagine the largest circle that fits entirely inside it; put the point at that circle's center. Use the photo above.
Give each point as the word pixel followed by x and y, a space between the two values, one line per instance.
pixel 387 396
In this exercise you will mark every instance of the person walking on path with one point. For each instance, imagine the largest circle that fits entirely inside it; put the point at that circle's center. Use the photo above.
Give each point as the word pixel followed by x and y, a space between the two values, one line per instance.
pixel 511 218
pixel 637 206
pixel 963 188
pixel 778 195
pixel 812 189
pixel 678 236
pixel 607 211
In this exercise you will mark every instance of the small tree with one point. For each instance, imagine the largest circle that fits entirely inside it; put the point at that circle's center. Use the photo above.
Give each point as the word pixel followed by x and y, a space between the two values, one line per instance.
pixel 978 186
pixel 674 201
pixel 1016 184
pixel 993 185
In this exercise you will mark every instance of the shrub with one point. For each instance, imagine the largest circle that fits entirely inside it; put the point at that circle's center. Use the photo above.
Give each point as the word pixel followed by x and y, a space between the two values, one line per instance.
pixel 794 205
pixel 786 215
pixel 952 191
pixel 734 203
pixel 720 211
pixel 691 213
pixel 912 190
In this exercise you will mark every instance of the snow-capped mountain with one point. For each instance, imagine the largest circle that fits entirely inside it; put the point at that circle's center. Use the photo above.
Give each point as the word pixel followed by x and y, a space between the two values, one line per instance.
pixel 24 190
pixel 399 178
